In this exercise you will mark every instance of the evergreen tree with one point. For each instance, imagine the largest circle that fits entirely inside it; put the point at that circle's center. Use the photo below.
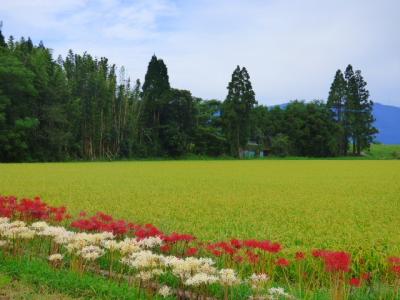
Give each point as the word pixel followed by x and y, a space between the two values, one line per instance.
pixel 17 121
pixel 336 102
pixel 364 130
pixel 351 106
pixel 359 118
pixel 155 89
pixel 10 42
pixel 237 110
pixel 2 40
pixel 337 95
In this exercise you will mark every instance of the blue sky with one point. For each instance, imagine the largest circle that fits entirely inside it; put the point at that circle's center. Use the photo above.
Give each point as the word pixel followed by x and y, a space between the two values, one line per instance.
pixel 291 48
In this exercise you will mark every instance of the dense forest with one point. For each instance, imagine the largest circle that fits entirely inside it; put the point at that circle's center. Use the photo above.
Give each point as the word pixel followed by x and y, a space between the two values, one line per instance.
pixel 84 108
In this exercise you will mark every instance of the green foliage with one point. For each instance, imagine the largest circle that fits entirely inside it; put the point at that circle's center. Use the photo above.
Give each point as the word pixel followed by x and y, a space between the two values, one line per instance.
pixel 156 94
pixel 311 129
pixel 337 95
pixel 349 100
pixel 280 145
pixel 237 110
pixel 300 129
pixel 17 94
pixel 208 137
pixel 79 108
pixel 177 122
pixel 2 41
pixel 336 102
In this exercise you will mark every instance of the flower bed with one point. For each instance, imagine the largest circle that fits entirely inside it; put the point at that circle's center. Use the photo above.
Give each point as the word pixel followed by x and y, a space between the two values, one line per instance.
pixel 179 264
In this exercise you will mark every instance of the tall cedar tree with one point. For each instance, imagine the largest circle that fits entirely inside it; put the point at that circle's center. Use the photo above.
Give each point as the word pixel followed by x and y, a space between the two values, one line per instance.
pixel 365 131
pixel 155 89
pixel 237 110
pixel 2 40
pixel 358 115
pixel 336 102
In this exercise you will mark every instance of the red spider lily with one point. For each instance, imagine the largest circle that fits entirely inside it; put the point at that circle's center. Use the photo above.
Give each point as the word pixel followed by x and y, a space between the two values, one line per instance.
pixel 104 217
pixel 366 276
pixel 267 246
pixel 177 237
pixel 334 260
pixel 282 262
pixel 236 243
pixel 59 217
pixel 216 252
pixel 148 230
pixel 7 206
pixel 394 263
pixel 394 260
pixel 102 222
pixel 252 257
pixel 83 225
pixel 356 282
pixel 222 246
pixel 229 250
pixel 34 209
pixel 191 251
pixel 30 210
pixel 300 256
pixel 117 227
pixel 337 261
pixel 270 247
pixel 396 270
pixel 165 248
pixel 251 243
pixel 319 253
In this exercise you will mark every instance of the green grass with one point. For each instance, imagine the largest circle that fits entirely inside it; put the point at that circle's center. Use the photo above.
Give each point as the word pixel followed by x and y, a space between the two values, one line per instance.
pixel 17 290
pixel 376 152
pixel 380 151
pixel 303 204
pixel 33 272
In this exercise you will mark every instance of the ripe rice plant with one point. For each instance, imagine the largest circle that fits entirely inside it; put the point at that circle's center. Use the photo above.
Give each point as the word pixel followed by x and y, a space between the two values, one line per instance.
pixel 350 205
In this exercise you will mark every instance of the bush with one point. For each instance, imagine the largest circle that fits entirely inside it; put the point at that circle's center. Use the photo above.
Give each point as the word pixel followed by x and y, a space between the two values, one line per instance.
pixel 280 145
pixel 396 154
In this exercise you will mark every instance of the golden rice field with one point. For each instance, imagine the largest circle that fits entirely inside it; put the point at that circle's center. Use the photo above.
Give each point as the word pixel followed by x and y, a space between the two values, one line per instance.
pixel 336 204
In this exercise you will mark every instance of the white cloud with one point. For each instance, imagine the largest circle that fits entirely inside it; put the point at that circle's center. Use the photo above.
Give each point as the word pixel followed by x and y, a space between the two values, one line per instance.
pixel 291 48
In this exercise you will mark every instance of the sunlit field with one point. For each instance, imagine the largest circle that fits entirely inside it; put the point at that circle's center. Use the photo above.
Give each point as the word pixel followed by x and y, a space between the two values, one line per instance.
pixel 332 204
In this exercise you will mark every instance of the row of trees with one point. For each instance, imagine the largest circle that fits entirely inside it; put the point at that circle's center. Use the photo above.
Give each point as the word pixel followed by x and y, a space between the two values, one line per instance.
pixel 349 99
pixel 82 107
pixel 304 129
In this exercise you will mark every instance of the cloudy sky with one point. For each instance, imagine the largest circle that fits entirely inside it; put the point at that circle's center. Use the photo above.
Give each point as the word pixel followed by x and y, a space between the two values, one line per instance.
pixel 291 48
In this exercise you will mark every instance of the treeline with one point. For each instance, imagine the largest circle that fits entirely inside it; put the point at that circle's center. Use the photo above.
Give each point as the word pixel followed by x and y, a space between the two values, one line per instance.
pixel 84 108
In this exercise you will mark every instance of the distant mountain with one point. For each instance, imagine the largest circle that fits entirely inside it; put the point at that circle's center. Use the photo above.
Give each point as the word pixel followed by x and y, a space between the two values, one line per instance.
pixel 388 123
